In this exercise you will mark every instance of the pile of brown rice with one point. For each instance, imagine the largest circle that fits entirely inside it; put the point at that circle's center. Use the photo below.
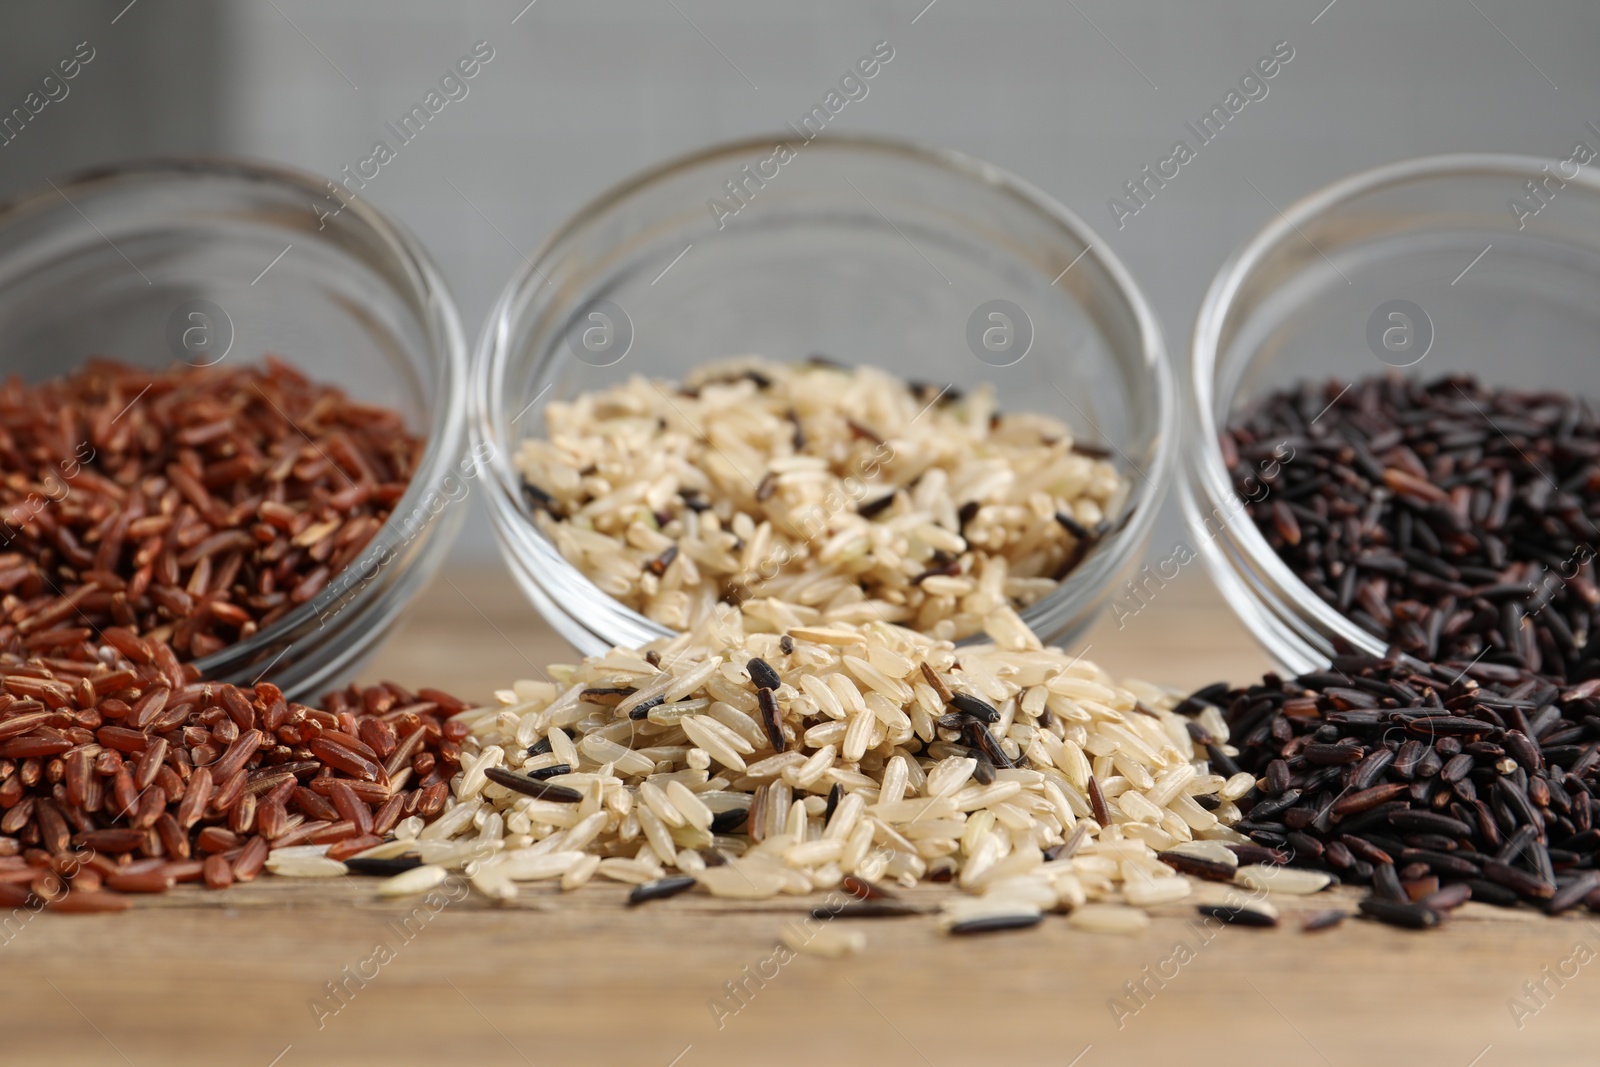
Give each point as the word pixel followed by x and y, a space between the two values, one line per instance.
pixel 869 758
pixel 813 494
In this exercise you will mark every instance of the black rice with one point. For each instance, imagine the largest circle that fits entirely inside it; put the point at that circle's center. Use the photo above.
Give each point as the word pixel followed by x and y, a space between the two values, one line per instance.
pixel 1198 867
pixel 1475 774
pixel 1573 893
pixel 1322 920
pixel 1448 519
pixel 1396 913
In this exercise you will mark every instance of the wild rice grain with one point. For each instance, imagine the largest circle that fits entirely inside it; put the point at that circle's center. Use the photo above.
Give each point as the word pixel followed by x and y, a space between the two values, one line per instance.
pixel 532 787
pixel 771 718
pixel 994 923
pixel 660 889
pixel 1097 802
pixel 1258 914
pixel 762 674
pixel 382 868
pixel 869 909
pixel 981 710
pixel 726 822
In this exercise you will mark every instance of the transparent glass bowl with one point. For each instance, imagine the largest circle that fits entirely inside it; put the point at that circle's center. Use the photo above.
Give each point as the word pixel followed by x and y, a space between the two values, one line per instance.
pixel 867 251
pixel 1435 241
pixel 211 260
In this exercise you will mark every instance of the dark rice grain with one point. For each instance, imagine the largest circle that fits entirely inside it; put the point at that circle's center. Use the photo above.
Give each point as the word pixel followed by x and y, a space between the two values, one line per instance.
pixel 992 923
pixel 660 889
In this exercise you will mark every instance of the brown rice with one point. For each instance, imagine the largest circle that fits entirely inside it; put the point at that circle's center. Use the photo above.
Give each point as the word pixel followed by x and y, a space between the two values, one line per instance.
pixel 879 778
pixel 812 495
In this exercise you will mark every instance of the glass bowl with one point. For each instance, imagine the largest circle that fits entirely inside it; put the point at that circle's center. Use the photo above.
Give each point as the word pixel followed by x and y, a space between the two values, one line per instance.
pixel 865 250
pixel 203 260
pixel 1427 267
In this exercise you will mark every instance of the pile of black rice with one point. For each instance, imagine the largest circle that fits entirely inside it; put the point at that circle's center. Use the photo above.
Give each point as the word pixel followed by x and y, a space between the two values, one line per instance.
pixel 1430 783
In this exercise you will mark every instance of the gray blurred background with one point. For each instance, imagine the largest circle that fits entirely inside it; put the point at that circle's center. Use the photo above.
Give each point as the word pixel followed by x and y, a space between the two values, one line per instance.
pixel 1074 95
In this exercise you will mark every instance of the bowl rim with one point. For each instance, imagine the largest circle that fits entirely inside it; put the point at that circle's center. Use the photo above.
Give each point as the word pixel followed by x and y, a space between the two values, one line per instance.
pixel 1208 482
pixel 440 320
pixel 492 353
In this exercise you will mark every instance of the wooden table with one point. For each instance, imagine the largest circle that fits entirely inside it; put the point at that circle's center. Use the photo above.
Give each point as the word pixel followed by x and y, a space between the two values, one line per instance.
pixel 247 977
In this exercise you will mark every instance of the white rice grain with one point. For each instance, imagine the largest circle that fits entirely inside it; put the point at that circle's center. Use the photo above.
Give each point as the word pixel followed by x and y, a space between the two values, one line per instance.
pixel 303 866
pixel 1109 919
pixel 830 941
pixel 1275 879
pixel 416 880
pixel 857 713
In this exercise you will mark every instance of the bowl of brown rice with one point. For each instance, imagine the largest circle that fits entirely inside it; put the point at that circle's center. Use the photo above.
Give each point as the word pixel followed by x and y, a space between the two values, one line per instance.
pixel 844 380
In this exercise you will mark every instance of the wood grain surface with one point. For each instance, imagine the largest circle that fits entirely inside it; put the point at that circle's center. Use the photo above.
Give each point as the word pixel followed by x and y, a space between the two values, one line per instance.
pixel 284 973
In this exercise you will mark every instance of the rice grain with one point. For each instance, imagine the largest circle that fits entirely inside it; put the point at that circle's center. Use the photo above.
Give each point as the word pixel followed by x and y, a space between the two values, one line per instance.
pixel 946 516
